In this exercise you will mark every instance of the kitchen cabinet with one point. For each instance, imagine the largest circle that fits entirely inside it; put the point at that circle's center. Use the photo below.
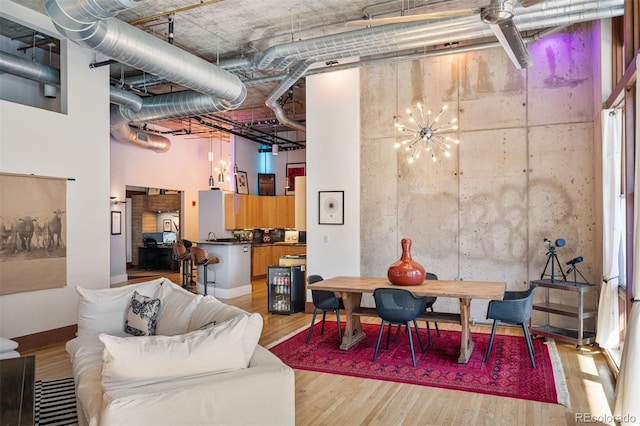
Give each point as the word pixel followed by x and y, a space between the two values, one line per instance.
pixel 254 211
pixel 269 255
pixel 269 216
pixel 235 211
pixel 260 261
pixel 280 250
pixel 285 212
pixel 577 311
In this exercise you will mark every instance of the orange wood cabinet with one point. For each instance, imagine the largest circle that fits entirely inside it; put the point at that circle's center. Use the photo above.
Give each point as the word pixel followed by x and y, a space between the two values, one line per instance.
pixel 254 211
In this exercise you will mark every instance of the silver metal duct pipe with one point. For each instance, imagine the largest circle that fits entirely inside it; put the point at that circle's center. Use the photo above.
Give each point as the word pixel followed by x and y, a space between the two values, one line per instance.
pixel 412 56
pixel 26 68
pixel 408 57
pixel 388 38
pixel 263 80
pixel 272 100
pixel 122 132
pixel 352 39
pixel 174 105
pixel 125 98
pixel 91 25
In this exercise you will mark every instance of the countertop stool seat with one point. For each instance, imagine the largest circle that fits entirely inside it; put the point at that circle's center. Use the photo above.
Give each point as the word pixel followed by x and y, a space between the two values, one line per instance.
pixel 182 254
pixel 200 257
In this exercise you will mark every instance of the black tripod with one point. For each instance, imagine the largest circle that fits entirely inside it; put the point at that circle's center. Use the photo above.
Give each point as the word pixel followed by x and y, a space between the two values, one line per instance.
pixel 552 258
pixel 574 268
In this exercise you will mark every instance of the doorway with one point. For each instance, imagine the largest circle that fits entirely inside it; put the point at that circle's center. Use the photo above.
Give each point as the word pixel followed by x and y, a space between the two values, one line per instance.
pixel 155 214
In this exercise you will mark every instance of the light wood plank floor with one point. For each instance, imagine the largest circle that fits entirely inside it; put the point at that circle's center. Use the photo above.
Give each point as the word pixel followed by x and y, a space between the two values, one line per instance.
pixel 326 399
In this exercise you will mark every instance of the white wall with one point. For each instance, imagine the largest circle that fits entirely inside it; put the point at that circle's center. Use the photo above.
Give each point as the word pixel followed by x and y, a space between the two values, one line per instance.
pixel 333 164
pixel 75 145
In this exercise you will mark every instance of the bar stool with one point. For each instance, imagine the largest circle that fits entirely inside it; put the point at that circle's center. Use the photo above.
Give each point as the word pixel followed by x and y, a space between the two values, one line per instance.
pixel 182 254
pixel 200 257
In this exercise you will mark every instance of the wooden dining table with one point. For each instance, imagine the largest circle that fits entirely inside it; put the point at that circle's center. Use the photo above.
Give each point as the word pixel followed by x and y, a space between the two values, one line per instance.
pixel 351 289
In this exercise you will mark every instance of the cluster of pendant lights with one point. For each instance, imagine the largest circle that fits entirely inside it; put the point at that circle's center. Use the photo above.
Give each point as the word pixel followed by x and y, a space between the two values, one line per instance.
pixel 424 134
pixel 222 170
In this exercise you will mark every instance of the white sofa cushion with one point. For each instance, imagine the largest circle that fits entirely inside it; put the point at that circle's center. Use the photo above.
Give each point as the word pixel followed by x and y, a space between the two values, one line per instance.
pixel 9 354
pixel 104 310
pixel 158 358
pixel 7 345
pixel 176 308
pixel 211 309
pixel 142 315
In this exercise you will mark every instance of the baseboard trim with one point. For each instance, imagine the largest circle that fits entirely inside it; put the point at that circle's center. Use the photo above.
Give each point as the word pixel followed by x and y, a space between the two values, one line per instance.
pixel 45 338
pixel 115 279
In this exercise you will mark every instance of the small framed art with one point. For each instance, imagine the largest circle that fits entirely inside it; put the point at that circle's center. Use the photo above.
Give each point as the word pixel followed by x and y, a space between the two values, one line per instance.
pixel 116 224
pixel 294 170
pixel 166 225
pixel 266 184
pixel 331 207
pixel 242 185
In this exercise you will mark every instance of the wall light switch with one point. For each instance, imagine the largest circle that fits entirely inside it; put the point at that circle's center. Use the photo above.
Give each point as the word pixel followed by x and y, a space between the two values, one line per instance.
pixel 326 238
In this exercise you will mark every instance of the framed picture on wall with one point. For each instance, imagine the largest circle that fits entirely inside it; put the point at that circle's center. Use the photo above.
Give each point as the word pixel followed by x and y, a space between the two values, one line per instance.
pixel 266 184
pixel 331 207
pixel 116 225
pixel 293 170
pixel 166 225
pixel 242 185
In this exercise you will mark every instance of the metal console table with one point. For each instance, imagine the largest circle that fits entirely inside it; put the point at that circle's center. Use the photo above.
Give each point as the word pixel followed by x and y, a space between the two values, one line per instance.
pixel 579 336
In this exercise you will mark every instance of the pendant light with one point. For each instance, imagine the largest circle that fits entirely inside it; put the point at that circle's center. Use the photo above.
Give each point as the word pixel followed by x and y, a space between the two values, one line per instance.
pixel 212 182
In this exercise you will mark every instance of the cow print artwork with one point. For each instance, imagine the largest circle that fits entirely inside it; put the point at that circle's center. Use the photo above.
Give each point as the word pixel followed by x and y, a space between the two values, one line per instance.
pixel 33 229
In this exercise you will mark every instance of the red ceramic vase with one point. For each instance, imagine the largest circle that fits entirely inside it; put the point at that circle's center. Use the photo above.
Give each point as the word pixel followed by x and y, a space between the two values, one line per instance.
pixel 406 271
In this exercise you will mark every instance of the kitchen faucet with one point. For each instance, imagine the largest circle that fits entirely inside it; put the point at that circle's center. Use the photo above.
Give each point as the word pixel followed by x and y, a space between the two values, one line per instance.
pixel 209 236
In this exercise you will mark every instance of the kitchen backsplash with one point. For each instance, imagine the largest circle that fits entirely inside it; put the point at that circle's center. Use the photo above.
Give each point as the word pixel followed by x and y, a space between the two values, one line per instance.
pixel 272 235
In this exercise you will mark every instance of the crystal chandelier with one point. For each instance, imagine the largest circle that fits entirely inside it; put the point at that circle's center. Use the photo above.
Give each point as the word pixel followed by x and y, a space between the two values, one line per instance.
pixel 424 134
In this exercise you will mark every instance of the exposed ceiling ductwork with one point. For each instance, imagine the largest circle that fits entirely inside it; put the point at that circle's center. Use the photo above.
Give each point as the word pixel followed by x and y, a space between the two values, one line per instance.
pixel 92 25
pixel 31 70
pixel 177 85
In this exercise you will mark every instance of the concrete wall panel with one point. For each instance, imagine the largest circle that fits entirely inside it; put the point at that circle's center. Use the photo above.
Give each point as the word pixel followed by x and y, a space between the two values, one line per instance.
pixel 524 169
pixel 492 91
pixel 560 83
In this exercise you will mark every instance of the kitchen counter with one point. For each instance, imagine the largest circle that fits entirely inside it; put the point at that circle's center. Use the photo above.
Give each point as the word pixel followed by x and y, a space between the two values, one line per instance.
pixel 223 242
pixel 226 242
pixel 278 243
pixel 233 272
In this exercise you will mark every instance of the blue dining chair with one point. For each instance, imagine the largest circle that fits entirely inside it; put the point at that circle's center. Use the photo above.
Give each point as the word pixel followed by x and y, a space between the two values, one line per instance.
pixel 430 301
pixel 396 306
pixel 514 308
pixel 324 301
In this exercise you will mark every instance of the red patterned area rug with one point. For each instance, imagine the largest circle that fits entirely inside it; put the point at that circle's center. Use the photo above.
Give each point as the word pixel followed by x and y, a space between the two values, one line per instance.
pixel 507 373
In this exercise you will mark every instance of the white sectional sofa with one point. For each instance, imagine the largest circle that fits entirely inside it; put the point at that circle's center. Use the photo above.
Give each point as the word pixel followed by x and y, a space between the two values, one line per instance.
pixel 203 366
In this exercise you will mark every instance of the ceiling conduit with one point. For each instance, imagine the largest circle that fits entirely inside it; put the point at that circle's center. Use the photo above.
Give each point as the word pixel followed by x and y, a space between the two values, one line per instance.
pixel 125 98
pixel 387 38
pixel 404 36
pixel 26 68
pixel 90 23
pixel 272 100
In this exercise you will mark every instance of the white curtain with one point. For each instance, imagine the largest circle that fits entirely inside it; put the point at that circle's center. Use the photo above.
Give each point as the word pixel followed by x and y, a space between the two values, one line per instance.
pixel 627 406
pixel 608 330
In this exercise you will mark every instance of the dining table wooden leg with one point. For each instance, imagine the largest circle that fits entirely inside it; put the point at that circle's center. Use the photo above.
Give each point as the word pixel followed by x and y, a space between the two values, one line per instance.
pixel 353 332
pixel 466 343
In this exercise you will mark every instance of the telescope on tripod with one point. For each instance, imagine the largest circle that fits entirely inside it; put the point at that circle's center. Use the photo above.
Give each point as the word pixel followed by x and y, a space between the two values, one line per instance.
pixel 552 259
pixel 574 268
